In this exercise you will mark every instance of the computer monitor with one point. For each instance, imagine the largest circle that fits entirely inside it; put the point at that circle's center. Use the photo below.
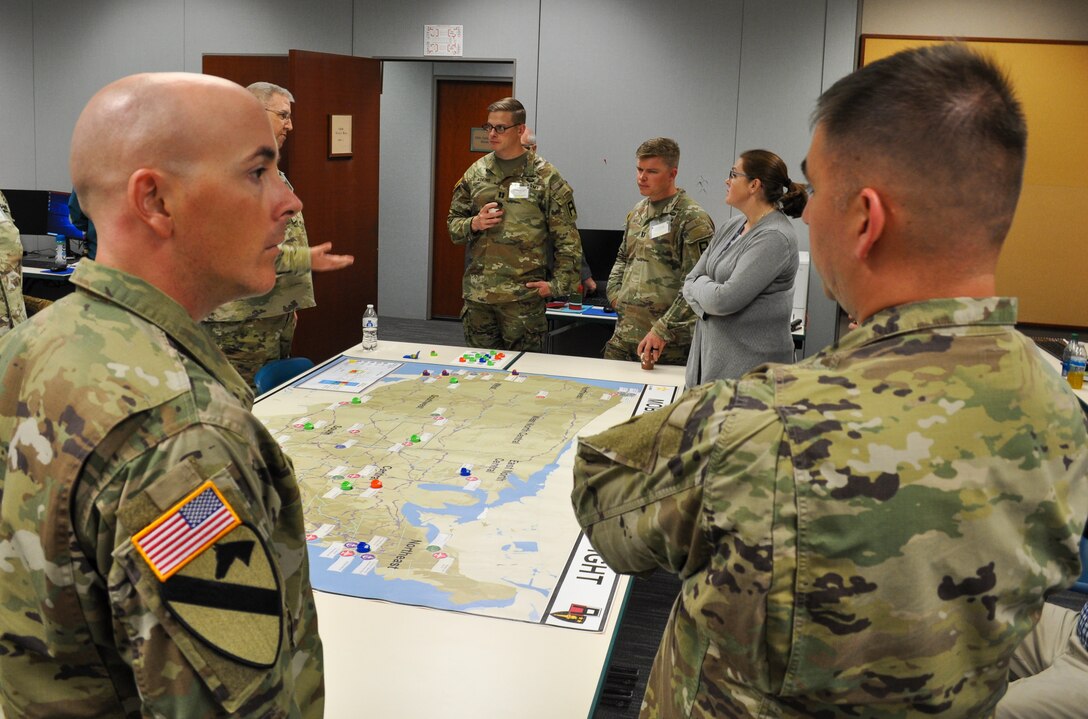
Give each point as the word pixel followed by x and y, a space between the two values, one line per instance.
pixel 29 210
pixel 58 221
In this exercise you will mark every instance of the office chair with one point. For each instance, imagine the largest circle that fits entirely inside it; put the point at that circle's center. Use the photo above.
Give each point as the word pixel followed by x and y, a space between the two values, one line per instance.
pixel 279 371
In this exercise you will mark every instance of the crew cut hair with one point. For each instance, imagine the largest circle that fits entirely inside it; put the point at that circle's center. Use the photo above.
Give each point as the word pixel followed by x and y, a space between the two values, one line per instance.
pixel 663 147
pixel 943 117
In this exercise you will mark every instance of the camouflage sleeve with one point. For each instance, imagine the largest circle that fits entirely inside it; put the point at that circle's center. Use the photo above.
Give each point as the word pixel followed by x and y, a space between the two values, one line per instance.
pixel 561 219
pixel 233 632
pixel 12 307
pixel 294 257
pixel 756 269
pixel 462 210
pixel 693 238
pixel 638 487
pixel 615 277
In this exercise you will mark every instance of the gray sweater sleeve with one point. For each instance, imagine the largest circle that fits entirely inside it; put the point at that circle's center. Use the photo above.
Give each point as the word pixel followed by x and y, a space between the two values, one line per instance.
pixel 761 260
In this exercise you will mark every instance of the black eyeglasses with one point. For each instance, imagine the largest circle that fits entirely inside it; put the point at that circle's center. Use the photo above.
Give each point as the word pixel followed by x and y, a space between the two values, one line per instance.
pixel 733 174
pixel 499 129
pixel 283 115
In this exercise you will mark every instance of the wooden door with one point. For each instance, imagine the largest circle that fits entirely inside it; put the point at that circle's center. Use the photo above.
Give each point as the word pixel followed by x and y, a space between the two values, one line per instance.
pixel 461 105
pixel 339 194
pixel 248 69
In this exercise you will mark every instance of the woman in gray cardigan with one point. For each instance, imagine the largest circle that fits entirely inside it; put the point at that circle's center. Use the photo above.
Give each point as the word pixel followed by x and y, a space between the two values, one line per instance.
pixel 742 287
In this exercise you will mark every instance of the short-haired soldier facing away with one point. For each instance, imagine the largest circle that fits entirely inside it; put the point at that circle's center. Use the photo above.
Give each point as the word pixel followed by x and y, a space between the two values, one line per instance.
pixel 869 532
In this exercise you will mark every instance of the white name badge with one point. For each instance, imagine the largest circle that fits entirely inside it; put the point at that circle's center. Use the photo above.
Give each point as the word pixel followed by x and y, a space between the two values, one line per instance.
pixel 659 228
pixel 519 191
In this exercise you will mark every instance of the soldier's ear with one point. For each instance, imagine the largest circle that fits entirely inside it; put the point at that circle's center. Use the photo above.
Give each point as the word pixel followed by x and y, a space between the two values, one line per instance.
pixel 873 216
pixel 146 198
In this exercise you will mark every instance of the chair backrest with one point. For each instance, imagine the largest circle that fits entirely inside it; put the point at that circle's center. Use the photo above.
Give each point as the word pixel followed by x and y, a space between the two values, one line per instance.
pixel 277 372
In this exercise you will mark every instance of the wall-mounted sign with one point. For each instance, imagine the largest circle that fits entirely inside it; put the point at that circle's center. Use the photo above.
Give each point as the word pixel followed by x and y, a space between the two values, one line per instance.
pixel 443 40
pixel 339 135
pixel 477 140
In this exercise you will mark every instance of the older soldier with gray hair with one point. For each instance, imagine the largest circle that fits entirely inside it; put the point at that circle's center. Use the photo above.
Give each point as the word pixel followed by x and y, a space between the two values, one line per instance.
pixel 257 330
pixel 872 531
pixel 151 530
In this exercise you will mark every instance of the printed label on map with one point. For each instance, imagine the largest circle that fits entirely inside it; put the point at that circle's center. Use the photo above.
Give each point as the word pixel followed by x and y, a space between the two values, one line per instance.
pixel 654 398
pixel 442 565
pixel 440 540
pixel 377 541
pixel 342 563
pixel 283 438
pixel 337 471
pixel 333 493
pixel 472 484
pixel 348 444
pixel 439 421
pixel 397 447
pixel 324 529
pixel 300 423
pixel 366 566
pixel 585 591
pixel 542 394
pixel 333 550
pixel 355 428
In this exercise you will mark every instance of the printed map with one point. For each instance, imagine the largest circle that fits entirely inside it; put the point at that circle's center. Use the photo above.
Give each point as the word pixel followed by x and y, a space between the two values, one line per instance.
pixel 450 491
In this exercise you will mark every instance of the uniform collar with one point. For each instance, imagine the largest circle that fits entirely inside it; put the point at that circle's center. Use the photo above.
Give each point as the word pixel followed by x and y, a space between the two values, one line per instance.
pixel 527 170
pixel 931 314
pixel 145 300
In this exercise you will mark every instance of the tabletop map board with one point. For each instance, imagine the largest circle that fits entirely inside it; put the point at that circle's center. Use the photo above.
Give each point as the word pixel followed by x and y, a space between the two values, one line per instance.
pixel 473 509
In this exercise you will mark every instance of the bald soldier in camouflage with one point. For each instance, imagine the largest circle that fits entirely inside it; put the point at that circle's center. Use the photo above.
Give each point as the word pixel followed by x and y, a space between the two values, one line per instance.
pixel 254 331
pixel 665 235
pixel 509 207
pixel 869 532
pixel 12 308
pixel 151 530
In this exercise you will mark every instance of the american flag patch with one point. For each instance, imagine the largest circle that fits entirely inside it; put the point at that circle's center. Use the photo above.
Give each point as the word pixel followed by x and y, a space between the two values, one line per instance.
pixel 185 530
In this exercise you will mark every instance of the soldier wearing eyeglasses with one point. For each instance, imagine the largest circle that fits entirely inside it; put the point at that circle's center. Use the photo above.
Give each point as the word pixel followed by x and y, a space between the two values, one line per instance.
pixel 254 331
pixel 511 207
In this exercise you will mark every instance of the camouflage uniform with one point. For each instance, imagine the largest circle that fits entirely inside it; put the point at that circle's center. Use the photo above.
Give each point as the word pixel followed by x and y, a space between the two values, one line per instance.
pixel 12 308
pixel 500 311
pixel 659 249
pixel 117 407
pixel 868 533
pixel 256 330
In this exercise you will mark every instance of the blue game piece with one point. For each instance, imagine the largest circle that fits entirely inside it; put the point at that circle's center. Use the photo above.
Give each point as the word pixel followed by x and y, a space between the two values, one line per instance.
pixel 465 472
pixel 363 547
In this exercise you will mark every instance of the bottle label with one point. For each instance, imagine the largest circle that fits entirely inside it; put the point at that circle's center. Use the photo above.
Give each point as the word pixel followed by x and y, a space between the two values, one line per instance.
pixel 1076 364
pixel 370 324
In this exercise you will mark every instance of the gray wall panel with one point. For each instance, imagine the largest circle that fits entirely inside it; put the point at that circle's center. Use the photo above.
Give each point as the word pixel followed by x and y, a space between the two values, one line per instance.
pixel 17 126
pixel 616 73
pixel 265 27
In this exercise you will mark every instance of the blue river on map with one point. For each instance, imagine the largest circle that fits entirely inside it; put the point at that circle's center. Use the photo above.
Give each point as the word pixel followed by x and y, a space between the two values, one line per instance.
pixel 410 591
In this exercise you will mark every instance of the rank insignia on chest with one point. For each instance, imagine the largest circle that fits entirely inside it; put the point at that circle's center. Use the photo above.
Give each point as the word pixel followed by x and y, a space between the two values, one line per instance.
pixel 185 530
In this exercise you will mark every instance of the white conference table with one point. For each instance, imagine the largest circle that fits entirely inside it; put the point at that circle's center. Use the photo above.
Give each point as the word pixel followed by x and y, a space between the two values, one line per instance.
pixel 392 660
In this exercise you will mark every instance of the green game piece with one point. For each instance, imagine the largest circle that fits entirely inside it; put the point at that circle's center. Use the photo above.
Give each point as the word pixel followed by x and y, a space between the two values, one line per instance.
pixel 433 547
pixel 453 380
pixel 490 363
pixel 356 400
pixel 415 438
pixel 346 485
pixel 308 425
pixel 434 353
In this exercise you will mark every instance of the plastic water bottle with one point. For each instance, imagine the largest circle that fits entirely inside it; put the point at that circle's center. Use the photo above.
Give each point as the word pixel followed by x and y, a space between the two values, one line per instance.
pixel 370 329
pixel 60 254
pixel 1077 360
pixel 1067 353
